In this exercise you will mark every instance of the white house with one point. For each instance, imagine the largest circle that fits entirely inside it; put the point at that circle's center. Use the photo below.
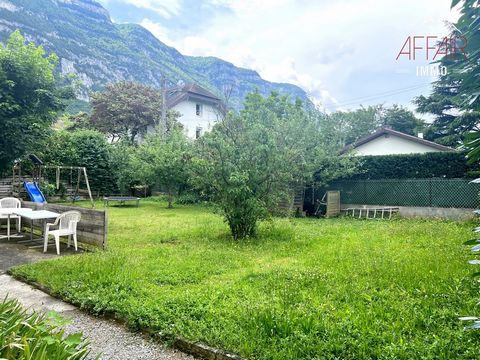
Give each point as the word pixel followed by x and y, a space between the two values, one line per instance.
pixel 385 141
pixel 199 109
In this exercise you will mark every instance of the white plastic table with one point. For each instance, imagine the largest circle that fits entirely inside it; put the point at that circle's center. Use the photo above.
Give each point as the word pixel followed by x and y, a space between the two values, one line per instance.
pixel 36 215
pixel 9 212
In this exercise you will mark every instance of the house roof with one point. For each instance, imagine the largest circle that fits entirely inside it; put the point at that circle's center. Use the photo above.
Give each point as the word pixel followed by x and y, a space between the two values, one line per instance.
pixel 385 130
pixel 190 92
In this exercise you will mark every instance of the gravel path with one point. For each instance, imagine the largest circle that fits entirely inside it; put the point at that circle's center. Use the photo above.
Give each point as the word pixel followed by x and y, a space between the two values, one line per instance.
pixel 106 337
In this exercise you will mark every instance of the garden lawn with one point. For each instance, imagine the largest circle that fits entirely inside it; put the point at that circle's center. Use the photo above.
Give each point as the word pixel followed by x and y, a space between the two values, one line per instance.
pixel 305 288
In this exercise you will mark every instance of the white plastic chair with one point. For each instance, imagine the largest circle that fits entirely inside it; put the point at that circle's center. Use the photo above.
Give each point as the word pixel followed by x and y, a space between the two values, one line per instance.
pixel 11 202
pixel 67 226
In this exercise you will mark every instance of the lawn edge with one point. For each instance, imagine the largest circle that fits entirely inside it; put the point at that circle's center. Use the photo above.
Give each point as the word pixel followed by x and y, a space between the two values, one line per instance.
pixel 196 349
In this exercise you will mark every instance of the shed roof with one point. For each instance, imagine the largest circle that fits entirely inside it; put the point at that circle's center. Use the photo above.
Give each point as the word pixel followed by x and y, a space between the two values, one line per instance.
pixel 385 130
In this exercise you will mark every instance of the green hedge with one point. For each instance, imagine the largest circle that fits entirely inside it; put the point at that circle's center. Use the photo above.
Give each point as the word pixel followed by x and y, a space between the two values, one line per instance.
pixel 416 166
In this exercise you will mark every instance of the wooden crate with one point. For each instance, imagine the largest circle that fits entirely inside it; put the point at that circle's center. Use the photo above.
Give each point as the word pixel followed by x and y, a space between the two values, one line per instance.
pixel 333 203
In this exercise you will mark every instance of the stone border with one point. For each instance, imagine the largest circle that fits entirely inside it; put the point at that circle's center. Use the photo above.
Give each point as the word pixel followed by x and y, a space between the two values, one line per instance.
pixel 197 350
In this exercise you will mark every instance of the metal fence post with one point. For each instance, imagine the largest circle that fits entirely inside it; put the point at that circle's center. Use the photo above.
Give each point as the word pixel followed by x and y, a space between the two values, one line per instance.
pixel 430 192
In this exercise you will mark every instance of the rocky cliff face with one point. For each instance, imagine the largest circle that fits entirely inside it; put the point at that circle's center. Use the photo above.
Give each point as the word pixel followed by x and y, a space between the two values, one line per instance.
pixel 98 51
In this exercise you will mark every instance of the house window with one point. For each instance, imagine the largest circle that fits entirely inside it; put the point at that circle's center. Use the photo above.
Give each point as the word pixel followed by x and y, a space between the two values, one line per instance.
pixel 198 132
pixel 198 109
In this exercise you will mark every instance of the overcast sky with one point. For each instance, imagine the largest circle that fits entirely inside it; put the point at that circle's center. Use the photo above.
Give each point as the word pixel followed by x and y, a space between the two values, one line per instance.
pixel 342 52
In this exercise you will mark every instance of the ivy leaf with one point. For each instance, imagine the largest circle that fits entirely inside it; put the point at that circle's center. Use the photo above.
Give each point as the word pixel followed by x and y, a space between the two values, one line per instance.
pixel 73 339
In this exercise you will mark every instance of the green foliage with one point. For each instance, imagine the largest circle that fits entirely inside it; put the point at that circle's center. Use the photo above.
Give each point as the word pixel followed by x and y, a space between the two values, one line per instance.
pixel 401 119
pixel 353 125
pixel 75 106
pixel 473 322
pixel 80 120
pixel 164 160
pixel 455 100
pixel 414 166
pixel 87 148
pixel 126 167
pixel 30 336
pixel 29 97
pixel 252 161
pixel 304 289
pixel 125 110
pixel 442 104
pixel 467 76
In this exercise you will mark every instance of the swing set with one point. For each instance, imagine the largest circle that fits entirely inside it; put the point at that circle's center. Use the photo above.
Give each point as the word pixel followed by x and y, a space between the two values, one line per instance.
pixel 40 172
pixel 81 171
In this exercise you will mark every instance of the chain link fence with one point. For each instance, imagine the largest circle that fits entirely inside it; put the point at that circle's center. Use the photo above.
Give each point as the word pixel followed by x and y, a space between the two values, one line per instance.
pixel 433 192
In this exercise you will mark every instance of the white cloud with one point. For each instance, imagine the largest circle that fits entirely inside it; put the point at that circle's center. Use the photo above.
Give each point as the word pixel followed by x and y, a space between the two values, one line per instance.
pixel 164 8
pixel 158 31
pixel 197 46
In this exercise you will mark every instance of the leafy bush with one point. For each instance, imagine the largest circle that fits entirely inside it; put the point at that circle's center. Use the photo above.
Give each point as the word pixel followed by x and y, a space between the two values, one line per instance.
pixel 251 161
pixel 414 166
pixel 32 336
pixel 86 148
pixel 127 175
pixel 163 160
pixel 188 198
pixel 48 189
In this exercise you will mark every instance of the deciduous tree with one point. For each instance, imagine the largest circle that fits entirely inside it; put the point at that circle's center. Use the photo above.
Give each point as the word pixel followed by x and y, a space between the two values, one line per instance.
pixel 30 97
pixel 252 160
pixel 126 109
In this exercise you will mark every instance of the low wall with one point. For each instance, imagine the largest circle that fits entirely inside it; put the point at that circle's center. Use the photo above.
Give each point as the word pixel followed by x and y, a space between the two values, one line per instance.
pixel 425 212
pixel 91 230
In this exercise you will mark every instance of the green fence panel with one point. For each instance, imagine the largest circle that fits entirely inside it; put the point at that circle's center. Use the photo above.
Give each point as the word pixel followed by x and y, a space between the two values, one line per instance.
pixel 434 192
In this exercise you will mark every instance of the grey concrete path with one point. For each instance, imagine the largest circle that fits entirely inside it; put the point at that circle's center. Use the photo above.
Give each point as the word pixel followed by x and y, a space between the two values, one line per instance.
pixel 12 253
pixel 106 337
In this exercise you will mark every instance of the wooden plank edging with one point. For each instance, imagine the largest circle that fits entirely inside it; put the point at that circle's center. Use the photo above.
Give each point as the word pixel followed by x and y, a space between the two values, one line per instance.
pixel 92 228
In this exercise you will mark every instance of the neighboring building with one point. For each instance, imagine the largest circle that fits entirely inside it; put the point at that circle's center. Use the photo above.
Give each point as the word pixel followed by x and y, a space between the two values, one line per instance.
pixel 385 141
pixel 199 109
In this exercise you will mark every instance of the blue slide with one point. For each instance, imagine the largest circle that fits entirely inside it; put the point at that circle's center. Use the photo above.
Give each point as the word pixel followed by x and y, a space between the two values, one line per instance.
pixel 34 192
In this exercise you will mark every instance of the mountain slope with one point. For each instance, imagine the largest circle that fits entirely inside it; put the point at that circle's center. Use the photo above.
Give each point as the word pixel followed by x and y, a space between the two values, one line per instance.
pixel 98 51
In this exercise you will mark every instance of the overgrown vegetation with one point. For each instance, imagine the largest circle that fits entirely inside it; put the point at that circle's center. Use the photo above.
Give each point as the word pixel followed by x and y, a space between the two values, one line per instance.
pixel 254 160
pixel 31 336
pixel 305 288
pixel 87 148
pixel 349 126
pixel 163 161
pixel 30 97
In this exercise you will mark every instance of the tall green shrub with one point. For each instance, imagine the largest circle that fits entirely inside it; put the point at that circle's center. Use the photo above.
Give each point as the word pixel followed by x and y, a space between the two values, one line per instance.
pixel 30 97
pixel 414 166
pixel 164 160
pixel 252 161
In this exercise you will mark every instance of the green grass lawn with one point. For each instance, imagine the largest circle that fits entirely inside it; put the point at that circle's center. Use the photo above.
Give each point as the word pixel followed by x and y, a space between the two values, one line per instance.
pixel 306 288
